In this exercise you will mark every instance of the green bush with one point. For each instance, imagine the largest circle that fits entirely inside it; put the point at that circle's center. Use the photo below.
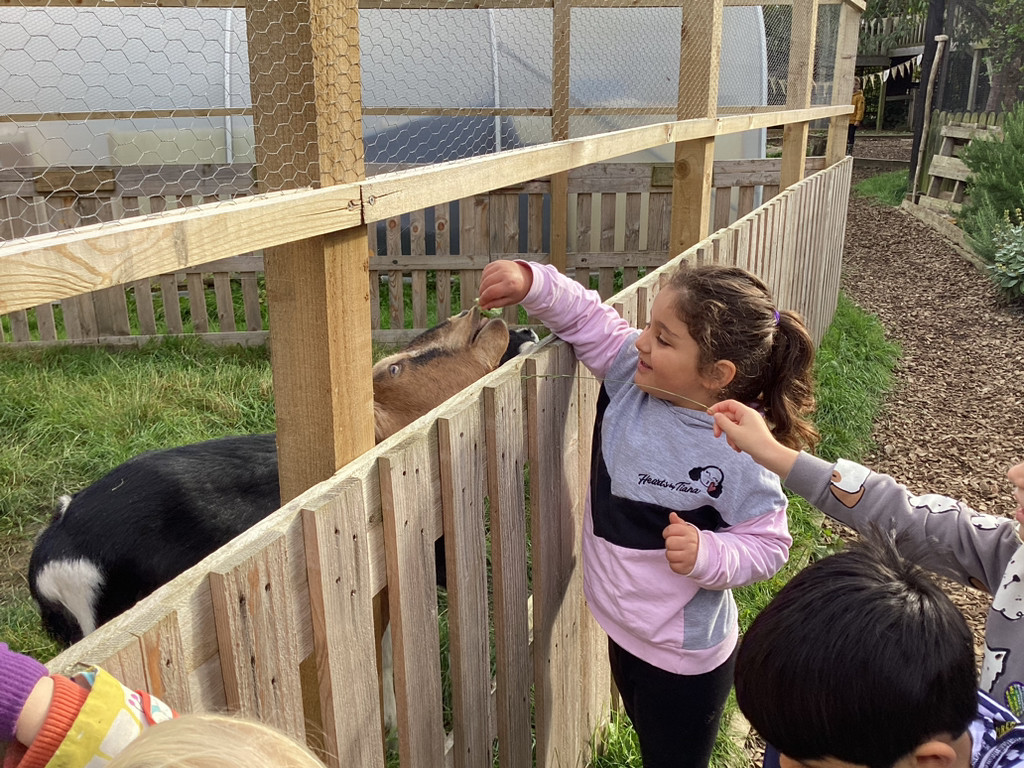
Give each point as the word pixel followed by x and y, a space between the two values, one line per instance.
pixel 1007 269
pixel 996 185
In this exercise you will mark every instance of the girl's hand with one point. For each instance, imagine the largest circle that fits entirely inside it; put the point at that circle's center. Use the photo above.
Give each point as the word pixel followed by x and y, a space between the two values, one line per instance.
pixel 682 542
pixel 504 283
pixel 746 431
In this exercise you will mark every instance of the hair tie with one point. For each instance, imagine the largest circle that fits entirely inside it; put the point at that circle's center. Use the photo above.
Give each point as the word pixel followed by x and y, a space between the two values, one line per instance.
pixel 776 312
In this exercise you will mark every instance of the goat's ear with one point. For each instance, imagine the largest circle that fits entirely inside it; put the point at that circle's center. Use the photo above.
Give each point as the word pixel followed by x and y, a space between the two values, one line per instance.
pixel 491 342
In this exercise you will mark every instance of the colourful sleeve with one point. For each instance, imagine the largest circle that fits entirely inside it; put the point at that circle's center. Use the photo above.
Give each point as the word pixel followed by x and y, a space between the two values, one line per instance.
pixel 942 534
pixel 578 316
pixel 751 551
pixel 102 724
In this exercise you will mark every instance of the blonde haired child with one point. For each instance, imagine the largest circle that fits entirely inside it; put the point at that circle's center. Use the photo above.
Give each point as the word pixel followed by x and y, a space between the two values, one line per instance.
pixel 93 720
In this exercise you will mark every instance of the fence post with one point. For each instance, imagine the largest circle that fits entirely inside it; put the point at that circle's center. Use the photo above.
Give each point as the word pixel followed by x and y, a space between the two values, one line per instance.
pixel 319 308
pixel 561 13
pixel 803 32
pixel 842 80
pixel 700 52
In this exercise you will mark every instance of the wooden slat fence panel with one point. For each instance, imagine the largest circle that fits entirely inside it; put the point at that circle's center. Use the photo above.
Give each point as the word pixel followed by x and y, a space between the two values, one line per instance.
pixel 552 417
pixel 463 453
pixel 259 651
pixel 341 607
pixel 411 503
pixel 506 460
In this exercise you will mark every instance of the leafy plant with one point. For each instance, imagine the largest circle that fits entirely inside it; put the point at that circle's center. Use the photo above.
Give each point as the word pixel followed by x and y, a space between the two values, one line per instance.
pixel 1007 269
pixel 995 186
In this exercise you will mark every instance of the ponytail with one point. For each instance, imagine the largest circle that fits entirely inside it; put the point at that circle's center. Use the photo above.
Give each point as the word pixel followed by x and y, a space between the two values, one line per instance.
pixel 788 393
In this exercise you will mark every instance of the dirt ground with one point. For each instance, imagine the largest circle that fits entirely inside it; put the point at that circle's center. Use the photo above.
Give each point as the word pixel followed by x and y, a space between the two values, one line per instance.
pixel 954 422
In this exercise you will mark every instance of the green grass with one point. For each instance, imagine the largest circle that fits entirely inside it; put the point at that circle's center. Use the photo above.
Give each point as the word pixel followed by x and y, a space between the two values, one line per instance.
pixel 886 188
pixel 67 415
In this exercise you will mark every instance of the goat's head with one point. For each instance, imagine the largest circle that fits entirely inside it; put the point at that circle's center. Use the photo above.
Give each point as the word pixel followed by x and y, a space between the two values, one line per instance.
pixel 434 366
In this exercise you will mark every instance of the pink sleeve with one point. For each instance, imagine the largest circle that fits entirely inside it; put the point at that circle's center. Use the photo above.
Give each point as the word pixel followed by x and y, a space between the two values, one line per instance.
pixel 578 316
pixel 753 550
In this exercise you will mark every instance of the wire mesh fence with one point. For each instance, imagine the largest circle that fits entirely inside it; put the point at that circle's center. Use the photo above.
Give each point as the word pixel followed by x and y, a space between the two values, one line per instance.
pixel 108 112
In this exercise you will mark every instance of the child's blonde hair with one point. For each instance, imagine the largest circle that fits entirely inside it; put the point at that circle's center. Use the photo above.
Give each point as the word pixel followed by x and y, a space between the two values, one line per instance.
pixel 205 740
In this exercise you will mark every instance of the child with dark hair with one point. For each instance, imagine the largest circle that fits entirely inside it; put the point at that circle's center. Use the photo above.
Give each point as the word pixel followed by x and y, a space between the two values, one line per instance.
pixel 862 660
pixel 662 488
pixel 948 536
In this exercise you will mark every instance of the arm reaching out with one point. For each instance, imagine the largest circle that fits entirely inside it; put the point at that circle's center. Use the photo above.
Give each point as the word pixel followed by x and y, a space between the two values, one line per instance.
pixel 746 431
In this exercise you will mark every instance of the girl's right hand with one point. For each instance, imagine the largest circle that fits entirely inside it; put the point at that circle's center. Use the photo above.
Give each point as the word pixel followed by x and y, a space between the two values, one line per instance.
pixel 504 283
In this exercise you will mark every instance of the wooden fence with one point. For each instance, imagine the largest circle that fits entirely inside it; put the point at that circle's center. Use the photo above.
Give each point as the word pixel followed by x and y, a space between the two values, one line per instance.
pixel 280 621
pixel 622 214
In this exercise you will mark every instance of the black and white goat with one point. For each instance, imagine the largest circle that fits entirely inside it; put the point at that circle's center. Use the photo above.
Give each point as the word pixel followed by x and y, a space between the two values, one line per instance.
pixel 159 513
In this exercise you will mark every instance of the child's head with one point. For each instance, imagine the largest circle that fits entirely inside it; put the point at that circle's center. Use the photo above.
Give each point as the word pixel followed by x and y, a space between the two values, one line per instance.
pixel 856 84
pixel 732 317
pixel 205 740
pixel 860 658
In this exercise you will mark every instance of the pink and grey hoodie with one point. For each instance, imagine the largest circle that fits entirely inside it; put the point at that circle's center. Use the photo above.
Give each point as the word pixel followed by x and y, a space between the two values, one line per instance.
pixel 650 458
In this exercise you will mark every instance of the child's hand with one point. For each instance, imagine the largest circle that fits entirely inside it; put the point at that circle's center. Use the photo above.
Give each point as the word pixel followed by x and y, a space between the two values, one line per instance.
pixel 504 283
pixel 1016 475
pixel 682 541
pixel 746 431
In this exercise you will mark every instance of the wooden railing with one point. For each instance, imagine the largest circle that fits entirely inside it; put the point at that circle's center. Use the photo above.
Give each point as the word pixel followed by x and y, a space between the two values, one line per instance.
pixel 621 222
pixel 291 600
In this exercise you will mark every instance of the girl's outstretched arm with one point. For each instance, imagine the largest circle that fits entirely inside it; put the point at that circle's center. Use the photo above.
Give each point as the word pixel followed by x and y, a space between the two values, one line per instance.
pixel 746 431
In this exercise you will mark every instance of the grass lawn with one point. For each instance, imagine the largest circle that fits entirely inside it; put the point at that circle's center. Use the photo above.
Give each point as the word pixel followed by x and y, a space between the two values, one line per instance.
pixel 68 415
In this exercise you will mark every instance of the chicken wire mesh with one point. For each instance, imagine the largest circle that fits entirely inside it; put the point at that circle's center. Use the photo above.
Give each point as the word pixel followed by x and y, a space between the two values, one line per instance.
pixel 114 111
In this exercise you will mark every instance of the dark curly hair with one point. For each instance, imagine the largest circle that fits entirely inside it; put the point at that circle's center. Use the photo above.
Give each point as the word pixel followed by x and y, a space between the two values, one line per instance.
pixel 731 315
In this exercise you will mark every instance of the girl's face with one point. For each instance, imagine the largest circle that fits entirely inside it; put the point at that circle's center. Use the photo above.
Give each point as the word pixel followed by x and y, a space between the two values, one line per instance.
pixel 669 359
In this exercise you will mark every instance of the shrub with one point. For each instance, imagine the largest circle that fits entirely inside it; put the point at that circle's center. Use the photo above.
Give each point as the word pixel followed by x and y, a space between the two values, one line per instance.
pixel 996 184
pixel 1007 268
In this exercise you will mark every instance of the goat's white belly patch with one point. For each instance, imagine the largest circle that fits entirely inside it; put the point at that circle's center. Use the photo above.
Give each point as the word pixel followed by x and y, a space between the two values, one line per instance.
pixel 74 584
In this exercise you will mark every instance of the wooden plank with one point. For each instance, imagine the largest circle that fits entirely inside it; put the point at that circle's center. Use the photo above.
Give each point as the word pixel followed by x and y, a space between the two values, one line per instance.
pixel 700 53
pixel 551 412
pixel 442 246
pixel 251 301
pixel 341 606
pixel 463 469
pixel 474 237
pixel 723 207
pixel 225 301
pixel 949 168
pixel 197 302
pixel 803 30
pixel 410 501
pixel 144 306
pixel 257 638
pixel 418 247
pixel 842 81
pixel 506 458
pixel 145 247
pixel 166 670
pixel 606 275
pixel 584 241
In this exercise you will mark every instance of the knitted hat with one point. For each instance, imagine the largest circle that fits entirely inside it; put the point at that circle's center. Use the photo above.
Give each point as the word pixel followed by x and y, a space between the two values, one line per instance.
pixel 18 676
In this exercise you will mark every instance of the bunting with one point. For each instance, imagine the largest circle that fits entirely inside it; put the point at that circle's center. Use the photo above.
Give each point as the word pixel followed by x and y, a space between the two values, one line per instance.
pixel 910 67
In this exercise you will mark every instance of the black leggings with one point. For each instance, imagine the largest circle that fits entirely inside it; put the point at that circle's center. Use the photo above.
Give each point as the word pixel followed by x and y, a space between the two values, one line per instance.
pixel 675 716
